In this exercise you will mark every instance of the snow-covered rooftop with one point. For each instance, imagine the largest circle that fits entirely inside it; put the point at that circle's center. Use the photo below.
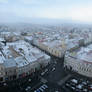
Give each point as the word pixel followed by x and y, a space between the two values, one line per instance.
pixel 83 54
pixel 8 63
pixel 20 53
pixel 20 61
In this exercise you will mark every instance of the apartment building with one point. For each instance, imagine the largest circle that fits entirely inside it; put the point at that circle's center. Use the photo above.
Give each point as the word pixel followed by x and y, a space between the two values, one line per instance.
pixel 19 59
pixel 80 60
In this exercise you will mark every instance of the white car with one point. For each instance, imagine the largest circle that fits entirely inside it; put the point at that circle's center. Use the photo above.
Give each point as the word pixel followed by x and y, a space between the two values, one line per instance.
pixel 41 89
pixel 74 81
pixel 28 88
pixel 80 86
pixel 53 69
pixel 45 85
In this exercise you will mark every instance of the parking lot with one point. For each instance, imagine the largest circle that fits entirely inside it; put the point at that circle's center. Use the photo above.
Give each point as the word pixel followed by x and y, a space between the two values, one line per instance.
pixel 76 84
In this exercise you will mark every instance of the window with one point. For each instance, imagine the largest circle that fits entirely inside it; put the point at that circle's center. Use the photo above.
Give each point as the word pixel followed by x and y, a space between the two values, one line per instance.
pixel 6 73
pixel 1 79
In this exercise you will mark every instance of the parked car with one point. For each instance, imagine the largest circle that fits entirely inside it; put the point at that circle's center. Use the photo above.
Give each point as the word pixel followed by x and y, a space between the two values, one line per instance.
pixel 75 81
pixel 85 90
pixel 67 85
pixel 27 88
pixel 80 86
pixel 42 88
pixel 84 83
pixel 53 69
pixel 46 70
pixel 90 87
pixel 73 88
pixel 45 85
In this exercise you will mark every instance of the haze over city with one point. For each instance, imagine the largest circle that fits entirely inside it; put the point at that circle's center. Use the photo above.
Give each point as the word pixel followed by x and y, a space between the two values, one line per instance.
pixel 32 10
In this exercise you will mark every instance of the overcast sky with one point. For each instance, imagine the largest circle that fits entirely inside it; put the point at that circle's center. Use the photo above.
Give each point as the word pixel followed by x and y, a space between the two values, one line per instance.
pixel 79 10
